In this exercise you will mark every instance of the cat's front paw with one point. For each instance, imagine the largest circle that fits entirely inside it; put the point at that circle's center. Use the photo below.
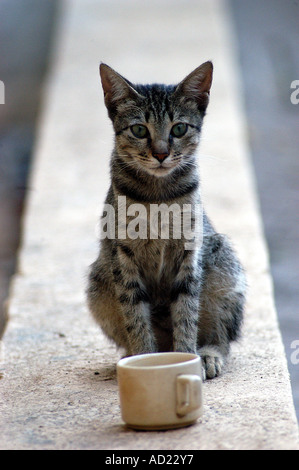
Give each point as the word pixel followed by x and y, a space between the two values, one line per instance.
pixel 212 362
pixel 211 366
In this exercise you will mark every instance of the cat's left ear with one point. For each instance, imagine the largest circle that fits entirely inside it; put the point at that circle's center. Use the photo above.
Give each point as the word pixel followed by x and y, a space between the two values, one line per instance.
pixel 197 85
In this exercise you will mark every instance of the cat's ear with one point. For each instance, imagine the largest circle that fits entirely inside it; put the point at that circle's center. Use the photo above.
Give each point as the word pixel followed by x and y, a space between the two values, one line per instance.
pixel 197 84
pixel 116 88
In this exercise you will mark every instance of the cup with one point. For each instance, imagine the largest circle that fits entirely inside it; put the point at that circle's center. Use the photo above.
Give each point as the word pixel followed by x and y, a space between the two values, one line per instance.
pixel 160 390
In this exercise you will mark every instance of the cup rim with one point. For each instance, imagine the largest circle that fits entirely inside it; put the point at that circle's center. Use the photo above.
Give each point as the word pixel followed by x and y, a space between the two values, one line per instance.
pixel 131 362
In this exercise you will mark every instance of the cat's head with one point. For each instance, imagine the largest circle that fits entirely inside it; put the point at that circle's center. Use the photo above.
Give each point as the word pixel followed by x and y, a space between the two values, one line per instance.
pixel 157 127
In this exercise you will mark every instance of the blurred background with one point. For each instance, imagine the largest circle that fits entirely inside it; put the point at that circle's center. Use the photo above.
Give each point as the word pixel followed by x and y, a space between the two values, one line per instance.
pixel 267 35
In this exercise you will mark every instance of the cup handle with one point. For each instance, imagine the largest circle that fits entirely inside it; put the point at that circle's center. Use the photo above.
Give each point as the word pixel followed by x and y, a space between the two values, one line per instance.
pixel 189 393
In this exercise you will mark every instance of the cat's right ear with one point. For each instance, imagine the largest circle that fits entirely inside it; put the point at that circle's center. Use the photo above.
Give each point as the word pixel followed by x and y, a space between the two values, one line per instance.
pixel 116 89
pixel 196 86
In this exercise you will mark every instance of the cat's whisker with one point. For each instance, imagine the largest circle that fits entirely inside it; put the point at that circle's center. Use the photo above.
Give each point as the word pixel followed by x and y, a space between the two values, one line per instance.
pixel 211 157
pixel 126 163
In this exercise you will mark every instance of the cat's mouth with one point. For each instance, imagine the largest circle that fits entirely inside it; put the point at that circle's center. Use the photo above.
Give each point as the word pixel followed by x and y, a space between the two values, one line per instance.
pixel 161 170
pixel 155 168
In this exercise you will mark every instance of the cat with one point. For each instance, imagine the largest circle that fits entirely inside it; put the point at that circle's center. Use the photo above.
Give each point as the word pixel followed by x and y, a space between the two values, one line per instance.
pixel 152 294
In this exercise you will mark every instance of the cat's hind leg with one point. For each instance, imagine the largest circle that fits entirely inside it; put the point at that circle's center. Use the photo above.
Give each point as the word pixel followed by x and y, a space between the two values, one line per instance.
pixel 221 303
pixel 104 305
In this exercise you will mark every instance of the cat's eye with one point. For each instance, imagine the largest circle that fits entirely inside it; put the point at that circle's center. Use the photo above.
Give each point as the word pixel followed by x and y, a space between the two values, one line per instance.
pixel 139 131
pixel 179 129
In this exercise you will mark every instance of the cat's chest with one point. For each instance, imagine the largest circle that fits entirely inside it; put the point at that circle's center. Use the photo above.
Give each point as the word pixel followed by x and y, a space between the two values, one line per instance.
pixel 158 262
pixel 156 236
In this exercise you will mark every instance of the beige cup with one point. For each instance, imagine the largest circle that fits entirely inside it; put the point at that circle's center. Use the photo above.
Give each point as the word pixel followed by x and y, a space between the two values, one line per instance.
pixel 161 390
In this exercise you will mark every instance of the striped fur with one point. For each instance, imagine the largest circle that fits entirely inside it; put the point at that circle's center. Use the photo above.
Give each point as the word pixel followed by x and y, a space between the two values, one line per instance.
pixel 153 295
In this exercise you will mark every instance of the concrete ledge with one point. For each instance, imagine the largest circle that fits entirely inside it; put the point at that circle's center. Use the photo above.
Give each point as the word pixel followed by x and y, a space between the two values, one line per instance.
pixel 58 386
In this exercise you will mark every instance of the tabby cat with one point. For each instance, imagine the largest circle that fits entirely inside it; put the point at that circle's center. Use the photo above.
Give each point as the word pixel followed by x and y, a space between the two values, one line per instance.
pixel 151 294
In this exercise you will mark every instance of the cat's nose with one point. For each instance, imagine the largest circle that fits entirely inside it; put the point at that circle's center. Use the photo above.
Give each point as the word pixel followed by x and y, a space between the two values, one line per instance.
pixel 160 156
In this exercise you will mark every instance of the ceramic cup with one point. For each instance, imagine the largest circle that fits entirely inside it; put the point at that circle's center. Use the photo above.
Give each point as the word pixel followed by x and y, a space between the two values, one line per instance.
pixel 161 390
